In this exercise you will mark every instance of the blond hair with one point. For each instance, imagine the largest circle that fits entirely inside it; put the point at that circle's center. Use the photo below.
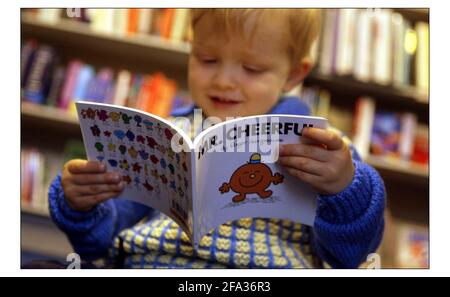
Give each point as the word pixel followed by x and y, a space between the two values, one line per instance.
pixel 303 24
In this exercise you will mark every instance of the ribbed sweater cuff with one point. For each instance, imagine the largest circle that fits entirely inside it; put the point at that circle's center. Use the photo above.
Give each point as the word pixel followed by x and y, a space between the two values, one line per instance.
pixel 67 218
pixel 350 204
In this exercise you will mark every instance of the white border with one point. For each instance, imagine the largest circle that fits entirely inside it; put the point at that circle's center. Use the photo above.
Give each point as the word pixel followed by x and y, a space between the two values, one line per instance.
pixel 439 110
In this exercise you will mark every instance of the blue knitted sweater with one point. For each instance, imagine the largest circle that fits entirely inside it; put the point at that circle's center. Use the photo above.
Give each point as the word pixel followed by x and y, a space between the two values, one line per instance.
pixel 348 226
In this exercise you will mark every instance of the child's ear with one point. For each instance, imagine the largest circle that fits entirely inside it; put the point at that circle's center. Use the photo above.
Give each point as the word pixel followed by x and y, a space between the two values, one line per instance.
pixel 298 74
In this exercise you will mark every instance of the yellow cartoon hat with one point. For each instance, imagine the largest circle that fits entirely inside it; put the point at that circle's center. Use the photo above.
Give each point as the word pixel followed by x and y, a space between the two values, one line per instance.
pixel 255 158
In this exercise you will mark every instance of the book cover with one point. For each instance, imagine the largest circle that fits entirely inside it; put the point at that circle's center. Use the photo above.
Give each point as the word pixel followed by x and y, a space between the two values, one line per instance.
pixel 412 246
pixel 227 172
pixel 385 137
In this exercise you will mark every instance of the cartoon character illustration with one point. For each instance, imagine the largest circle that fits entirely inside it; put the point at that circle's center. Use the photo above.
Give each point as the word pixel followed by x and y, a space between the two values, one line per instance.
pixel 126 118
pixel 159 130
pixel 99 146
pixel 111 147
pixel 168 134
pixel 102 115
pixel 127 179
pixel 252 178
pixel 151 142
pixel 164 179
pixel 163 163
pixel 88 113
pixel 155 173
pixel 172 169
pixel 95 131
pixel 119 134
pixel 122 149
pixel 138 119
pixel 144 155
pixel 170 153
pixel 172 185
pixel 137 168
pixel 154 159
pixel 115 116
pixel 140 139
pixel 124 164
pixel 148 125
pixel 130 135
pixel 148 186
pixel 133 152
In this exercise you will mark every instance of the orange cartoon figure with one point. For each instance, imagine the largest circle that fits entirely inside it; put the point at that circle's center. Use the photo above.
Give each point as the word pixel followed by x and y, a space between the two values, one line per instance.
pixel 252 178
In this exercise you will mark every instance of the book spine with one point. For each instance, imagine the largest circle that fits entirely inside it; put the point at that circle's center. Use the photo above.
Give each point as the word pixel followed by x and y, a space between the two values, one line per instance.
pixel 68 88
pixel 36 87
pixel 26 60
pixel 56 85
pixel 133 18
pixel 365 113
pixel 122 88
pixel 363 47
pixel 120 21
pixel 422 58
pixel 145 21
pixel 381 60
pixel 345 42
pixel 398 27
pixel 407 133
pixel 179 25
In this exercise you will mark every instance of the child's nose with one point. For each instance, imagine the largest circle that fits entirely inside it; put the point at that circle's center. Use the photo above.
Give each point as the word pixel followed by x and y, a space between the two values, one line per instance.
pixel 224 78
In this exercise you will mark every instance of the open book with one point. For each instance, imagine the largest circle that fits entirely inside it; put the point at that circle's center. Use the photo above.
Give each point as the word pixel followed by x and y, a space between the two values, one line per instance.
pixel 228 172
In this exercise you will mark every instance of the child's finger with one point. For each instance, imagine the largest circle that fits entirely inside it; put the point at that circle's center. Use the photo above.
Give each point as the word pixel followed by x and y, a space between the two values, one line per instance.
pixel 304 164
pixel 83 166
pixel 100 188
pixel 99 198
pixel 330 139
pixel 305 150
pixel 308 178
pixel 96 178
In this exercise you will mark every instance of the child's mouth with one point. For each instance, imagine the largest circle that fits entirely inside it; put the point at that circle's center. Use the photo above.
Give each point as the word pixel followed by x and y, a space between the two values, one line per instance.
pixel 219 102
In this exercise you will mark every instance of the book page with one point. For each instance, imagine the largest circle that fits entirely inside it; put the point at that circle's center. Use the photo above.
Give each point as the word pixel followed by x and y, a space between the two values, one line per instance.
pixel 237 176
pixel 138 146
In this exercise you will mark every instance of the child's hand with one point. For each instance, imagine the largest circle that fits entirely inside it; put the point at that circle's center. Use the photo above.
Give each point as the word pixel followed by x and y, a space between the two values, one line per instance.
pixel 86 183
pixel 327 165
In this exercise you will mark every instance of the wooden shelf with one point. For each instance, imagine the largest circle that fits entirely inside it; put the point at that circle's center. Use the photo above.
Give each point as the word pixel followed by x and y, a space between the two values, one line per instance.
pixel 49 117
pixel 26 209
pixel 398 169
pixel 348 89
pixel 414 14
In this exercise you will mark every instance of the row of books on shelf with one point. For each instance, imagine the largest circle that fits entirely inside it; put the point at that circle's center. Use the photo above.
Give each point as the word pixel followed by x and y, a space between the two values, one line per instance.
pixel 394 136
pixel 375 45
pixel 39 168
pixel 47 79
pixel 167 23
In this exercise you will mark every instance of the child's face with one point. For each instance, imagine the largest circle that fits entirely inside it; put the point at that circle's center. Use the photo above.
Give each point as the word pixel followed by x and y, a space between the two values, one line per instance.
pixel 238 76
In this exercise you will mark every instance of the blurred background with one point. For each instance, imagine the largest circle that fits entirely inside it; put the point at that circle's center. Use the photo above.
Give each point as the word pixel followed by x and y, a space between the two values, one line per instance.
pixel 371 81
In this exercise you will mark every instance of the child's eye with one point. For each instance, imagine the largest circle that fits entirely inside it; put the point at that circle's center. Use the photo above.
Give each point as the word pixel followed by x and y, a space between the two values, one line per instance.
pixel 208 60
pixel 252 69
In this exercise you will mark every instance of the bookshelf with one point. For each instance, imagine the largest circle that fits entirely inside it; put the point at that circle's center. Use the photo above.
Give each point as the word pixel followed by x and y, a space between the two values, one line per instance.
pixel 143 52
